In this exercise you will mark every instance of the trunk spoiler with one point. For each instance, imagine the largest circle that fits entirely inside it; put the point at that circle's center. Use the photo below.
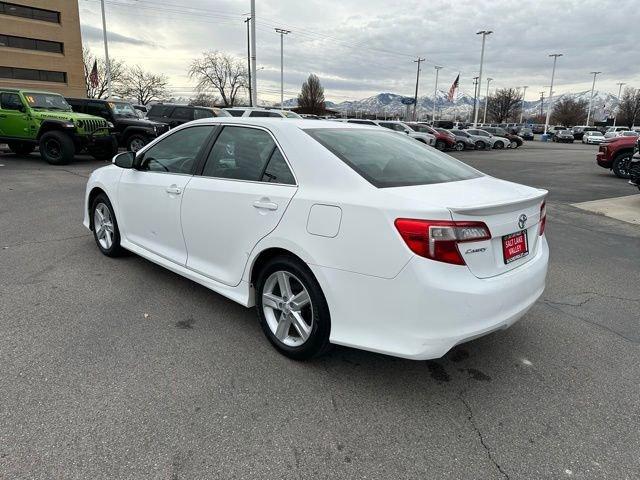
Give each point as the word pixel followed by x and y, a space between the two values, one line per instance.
pixel 499 207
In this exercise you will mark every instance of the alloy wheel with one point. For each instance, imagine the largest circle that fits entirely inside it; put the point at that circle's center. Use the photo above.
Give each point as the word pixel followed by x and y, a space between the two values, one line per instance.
pixel 103 226
pixel 287 308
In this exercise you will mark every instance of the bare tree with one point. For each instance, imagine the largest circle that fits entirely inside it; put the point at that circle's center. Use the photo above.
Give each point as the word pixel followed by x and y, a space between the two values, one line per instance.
pixel 311 98
pixel 568 112
pixel 220 73
pixel 504 104
pixel 204 100
pixel 143 86
pixel 629 108
pixel 117 72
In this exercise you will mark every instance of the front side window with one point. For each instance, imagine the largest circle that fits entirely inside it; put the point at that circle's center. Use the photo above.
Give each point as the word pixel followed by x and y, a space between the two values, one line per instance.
pixel 160 111
pixel 181 113
pixel 243 153
pixel 98 109
pixel 388 160
pixel 123 109
pixel 178 152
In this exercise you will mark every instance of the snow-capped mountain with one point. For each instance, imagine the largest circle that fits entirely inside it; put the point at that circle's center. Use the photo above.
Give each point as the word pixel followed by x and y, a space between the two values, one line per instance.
pixel 390 104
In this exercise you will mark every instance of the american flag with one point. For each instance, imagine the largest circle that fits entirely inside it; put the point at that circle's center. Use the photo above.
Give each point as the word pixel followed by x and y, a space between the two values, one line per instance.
pixel 93 76
pixel 452 90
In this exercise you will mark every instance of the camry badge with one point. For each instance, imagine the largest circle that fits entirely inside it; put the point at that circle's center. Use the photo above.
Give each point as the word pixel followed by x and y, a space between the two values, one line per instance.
pixel 522 221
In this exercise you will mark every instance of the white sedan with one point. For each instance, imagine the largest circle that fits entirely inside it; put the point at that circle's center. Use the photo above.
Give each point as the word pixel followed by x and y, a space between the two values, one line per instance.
pixel 593 137
pixel 338 233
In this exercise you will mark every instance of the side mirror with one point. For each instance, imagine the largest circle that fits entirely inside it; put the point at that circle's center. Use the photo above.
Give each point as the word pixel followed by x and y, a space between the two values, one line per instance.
pixel 124 159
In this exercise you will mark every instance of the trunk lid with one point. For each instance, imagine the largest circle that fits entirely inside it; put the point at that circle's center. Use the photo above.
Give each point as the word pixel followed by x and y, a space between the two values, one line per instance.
pixel 501 205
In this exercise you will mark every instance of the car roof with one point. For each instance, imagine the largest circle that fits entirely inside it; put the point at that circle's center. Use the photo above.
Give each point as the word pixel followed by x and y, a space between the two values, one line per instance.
pixel 283 124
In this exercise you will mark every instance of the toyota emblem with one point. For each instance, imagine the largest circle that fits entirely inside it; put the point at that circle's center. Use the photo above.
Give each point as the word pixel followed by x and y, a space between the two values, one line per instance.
pixel 522 221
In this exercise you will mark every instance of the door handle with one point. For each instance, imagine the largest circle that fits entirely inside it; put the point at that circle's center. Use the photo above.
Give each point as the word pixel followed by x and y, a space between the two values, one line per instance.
pixel 174 190
pixel 265 205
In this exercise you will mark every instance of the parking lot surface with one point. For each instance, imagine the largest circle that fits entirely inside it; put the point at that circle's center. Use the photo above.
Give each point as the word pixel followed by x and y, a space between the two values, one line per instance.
pixel 117 368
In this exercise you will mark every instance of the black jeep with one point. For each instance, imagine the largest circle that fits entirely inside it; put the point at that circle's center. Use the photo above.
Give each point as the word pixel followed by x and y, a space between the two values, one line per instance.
pixel 132 132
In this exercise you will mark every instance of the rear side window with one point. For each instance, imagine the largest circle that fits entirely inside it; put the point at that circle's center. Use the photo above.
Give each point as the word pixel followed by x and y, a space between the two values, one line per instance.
pixel 264 114
pixel 160 111
pixel 243 153
pixel 202 113
pixel 182 113
pixel 385 159
pixel 10 101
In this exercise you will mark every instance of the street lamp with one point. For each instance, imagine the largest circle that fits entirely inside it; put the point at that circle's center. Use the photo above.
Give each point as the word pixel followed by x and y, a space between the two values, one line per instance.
pixel 486 100
pixel 484 34
pixel 553 74
pixel 593 86
pixel 615 117
pixel 282 33
pixel 524 92
pixel 435 95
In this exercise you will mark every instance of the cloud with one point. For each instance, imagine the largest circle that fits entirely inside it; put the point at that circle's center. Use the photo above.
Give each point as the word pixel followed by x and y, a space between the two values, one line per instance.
pixel 361 48
pixel 94 34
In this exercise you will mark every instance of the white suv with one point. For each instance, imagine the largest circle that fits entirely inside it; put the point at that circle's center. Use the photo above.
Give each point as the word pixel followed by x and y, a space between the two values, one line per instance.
pixel 260 112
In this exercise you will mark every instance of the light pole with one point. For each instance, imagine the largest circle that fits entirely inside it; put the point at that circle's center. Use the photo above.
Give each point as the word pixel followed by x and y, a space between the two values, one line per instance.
pixel 415 96
pixel 486 100
pixel 541 103
pixel 107 64
pixel 484 34
pixel 593 86
pixel 475 96
pixel 615 117
pixel 254 77
pixel 282 33
pixel 524 92
pixel 553 74
pixel 249 59
pixel 435 95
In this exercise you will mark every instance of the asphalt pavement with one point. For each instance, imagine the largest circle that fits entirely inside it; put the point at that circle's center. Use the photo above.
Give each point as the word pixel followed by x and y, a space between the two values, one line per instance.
pixel 119 369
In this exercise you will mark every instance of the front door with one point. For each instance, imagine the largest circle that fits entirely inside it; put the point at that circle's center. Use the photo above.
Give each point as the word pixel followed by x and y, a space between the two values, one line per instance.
pixel 14 117
pixel 239 198
pixel 150 195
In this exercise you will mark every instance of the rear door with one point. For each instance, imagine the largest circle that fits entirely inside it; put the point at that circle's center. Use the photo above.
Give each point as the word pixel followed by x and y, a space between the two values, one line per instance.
pixel 244 189
pixel 14 119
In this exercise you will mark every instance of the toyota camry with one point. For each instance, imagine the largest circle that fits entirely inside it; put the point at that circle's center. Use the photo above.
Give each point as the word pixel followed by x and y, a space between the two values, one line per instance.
pixel 337 233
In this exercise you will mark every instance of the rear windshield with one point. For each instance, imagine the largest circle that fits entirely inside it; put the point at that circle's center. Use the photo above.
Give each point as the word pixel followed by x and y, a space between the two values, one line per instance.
pixel 388 159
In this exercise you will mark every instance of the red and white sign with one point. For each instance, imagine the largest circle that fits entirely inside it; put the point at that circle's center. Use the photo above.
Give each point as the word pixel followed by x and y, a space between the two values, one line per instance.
pixel 515 246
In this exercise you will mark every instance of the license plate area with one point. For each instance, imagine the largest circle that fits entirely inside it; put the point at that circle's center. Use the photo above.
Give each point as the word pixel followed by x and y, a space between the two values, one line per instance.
pixel 515 246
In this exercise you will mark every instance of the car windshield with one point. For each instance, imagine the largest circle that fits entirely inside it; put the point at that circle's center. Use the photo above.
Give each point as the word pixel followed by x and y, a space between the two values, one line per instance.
pixel 49 101
pixel 123 109
pixel 388 160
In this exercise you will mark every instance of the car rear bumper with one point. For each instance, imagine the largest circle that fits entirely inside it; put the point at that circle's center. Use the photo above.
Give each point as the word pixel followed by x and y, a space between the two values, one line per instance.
pixel 429 307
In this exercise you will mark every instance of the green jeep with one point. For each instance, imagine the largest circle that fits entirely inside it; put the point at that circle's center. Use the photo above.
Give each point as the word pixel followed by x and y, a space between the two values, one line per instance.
pixel 30 118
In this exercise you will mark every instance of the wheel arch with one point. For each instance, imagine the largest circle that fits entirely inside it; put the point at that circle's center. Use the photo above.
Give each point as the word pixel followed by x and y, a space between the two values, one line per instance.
pixel 51 125
pixel 95 191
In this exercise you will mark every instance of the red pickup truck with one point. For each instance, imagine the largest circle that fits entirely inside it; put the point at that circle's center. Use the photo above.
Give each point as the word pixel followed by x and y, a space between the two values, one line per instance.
pixel 615 154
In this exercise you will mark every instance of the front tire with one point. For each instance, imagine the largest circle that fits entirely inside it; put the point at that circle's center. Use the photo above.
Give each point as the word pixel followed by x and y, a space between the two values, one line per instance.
pixel 480 145
pixel 21 148
pixel 459 146
pixel 105 227
pixel 292 309
pixel 621 165
pixel 513 144
pixel 440 145
pixel 57 148
pixel 498 145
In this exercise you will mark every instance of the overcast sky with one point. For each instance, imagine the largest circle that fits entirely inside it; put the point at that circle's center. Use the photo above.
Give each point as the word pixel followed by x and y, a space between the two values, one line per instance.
pixel 362 47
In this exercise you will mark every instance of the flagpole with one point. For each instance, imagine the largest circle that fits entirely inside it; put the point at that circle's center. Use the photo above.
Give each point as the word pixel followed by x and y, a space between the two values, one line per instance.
pixel 106 50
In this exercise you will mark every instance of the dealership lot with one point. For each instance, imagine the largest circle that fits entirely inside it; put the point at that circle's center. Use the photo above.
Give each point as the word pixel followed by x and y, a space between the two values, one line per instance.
pixel 121 369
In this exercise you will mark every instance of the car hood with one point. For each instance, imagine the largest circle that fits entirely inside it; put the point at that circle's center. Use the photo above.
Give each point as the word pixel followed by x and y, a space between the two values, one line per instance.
pixel 60 115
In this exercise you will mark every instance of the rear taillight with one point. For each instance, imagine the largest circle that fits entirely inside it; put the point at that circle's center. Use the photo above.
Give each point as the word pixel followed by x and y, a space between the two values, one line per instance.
pixel 543 217
pixel 438 239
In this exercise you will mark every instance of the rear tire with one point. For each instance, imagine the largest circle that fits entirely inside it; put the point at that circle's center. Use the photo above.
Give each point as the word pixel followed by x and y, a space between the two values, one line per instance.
pixel 107 151
pixel 57 148
pixel 459 146
pixel 21 148
pixel 136 142
pixel 498 145
pixel 480 145
pixel 440 145
pixel 275 306
pixel 621 165
pixel 513 144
